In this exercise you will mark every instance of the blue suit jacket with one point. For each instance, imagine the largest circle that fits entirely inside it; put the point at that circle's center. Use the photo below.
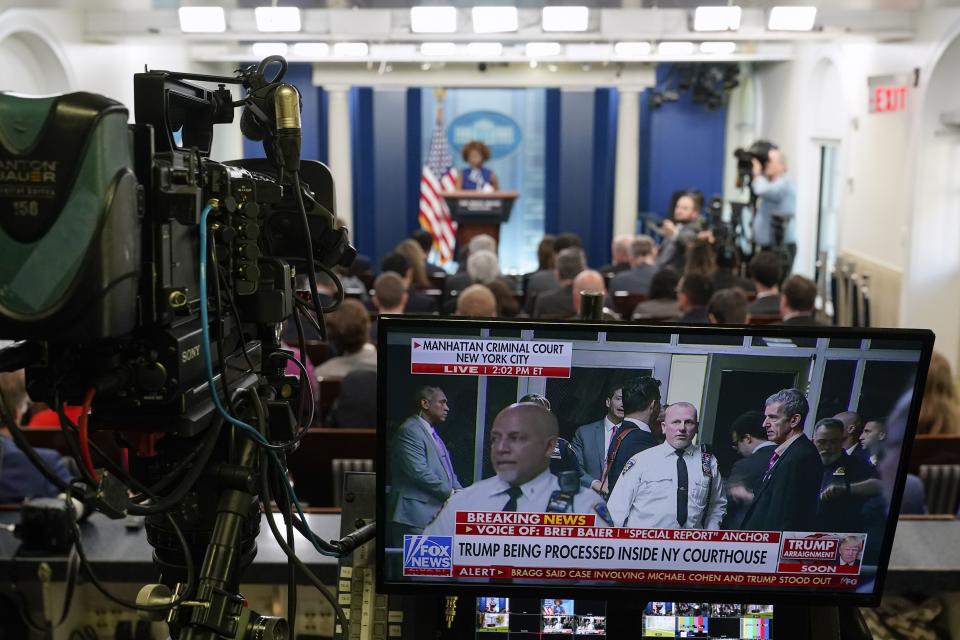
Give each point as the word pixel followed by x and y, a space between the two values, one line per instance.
pixel 419 484
pixel 589 444
pixel 19 479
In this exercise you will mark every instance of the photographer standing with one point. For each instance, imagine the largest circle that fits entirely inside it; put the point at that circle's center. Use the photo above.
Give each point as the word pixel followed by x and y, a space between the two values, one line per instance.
pixel 773 221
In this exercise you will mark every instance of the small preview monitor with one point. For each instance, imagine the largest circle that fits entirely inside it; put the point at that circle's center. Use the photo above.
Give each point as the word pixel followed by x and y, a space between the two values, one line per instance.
pixel 675 461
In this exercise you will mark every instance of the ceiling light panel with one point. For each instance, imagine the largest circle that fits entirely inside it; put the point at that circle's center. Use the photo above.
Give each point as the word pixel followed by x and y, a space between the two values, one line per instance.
pixel 792 18
pixel 565 18
pixel 716 18
pixel 277 19
pixel 202 20
pixel 494 19
pixel 433 19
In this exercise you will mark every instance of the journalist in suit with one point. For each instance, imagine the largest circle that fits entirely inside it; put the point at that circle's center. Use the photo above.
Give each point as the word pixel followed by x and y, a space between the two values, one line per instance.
pixel 639 430
pixel 750 440
pixel 789 492
pixel 591 441
pixel 421 472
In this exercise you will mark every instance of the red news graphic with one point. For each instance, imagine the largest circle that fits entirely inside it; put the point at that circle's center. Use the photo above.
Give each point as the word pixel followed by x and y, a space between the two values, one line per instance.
pixel 478 357
pixel 570 547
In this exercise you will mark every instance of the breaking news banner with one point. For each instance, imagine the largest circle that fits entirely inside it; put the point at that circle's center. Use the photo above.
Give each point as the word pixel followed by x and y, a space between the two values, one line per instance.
pixel 570 547
pixel 474 357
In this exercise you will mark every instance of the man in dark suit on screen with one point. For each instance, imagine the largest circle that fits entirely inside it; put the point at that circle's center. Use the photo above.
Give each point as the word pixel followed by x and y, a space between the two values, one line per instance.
pixel 789 492
pixel 639 430
pixel 750 440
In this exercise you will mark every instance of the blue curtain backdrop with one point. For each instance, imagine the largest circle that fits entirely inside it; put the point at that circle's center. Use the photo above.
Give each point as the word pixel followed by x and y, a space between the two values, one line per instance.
pixel 682 147
pixel 581 161
pixel 521 169
pixel 313 116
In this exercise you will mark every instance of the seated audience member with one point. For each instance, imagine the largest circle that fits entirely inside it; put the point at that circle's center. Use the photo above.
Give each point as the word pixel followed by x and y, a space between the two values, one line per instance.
pixel 544 278
pixel 356 404
pixel 681 230
pixel 728 306
pixel 361 263
pixel 591 281
pixel 425 239
pixel 727 273
pixel 416 302
pixel 693 296
pixel 940 410
pixel 622 260
pixel 19 479
pixel 410 249
pixel 636 280
pixel 461 280
pixel 476 301
pixel 797 299
pixel 389 296
pixel 558 303
pixel 507 304
pixel 662 304
pixel 349 330
pixel 764 270
pixel 700 258
pixel 543 281
pixel 483 267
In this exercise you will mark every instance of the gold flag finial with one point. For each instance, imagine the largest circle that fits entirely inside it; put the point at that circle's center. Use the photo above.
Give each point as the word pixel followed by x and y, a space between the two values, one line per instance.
pixel 440 94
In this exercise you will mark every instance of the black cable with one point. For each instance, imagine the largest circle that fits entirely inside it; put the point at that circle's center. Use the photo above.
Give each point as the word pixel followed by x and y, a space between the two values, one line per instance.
pixel 302 306
pixel 310 575
pixel 341 294
pixel 302 343
pixel 304 381
pixel 228 281
pixel 308 244
pixel 72 444
pixel 221 358
pixel 176 601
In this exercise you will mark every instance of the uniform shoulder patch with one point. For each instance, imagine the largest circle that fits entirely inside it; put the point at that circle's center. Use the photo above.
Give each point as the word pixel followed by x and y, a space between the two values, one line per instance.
pixel 629 465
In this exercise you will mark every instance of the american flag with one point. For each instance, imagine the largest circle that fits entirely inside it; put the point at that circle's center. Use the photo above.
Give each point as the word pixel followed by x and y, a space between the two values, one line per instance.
pixel 439 175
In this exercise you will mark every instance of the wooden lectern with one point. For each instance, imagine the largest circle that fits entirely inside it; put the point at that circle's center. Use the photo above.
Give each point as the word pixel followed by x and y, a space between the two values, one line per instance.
pixel 477 212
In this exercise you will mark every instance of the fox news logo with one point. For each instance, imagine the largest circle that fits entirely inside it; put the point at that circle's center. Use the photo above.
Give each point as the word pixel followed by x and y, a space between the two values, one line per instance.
pixel 427 556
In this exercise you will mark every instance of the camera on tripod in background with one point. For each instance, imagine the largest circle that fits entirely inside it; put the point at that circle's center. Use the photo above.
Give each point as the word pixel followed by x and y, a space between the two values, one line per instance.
pixel 759 151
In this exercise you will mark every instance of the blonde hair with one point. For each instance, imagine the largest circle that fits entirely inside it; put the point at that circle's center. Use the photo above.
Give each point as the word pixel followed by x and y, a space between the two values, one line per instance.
pixel 940 410
pixel 411 250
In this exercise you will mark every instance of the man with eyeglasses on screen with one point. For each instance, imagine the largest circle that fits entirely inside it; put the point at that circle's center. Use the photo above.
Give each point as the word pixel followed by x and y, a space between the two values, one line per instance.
pixel 522 442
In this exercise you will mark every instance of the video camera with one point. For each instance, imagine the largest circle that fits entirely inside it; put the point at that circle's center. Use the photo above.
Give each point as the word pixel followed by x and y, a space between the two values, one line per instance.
pixel 760 151
pixel 107 231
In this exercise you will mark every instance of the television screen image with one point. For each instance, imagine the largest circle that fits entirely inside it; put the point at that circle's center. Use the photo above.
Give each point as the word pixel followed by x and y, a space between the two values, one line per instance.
pixel 493 622
pixel 727 471
pixel 758 610
pixel 693 627
pixel 726 610
pixel 557 607
pixel 725 628
pixel 493 605
pixel 559 624
pixel 659 627
pixel 658 609
pixel 591 626
pixel 755 628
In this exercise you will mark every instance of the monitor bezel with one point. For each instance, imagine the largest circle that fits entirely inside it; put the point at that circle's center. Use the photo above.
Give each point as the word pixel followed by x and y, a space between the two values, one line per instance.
pixel 409 323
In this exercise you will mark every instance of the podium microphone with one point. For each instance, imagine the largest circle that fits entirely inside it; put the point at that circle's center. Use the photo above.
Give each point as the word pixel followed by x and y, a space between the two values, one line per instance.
pixel 286 102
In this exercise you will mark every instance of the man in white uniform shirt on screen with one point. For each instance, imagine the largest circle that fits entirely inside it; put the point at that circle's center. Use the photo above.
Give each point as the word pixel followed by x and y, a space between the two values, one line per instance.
pixel 522 440
pixel 674 485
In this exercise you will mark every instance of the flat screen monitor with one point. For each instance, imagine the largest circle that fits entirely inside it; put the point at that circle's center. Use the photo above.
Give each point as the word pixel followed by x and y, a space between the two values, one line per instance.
pixel 687 463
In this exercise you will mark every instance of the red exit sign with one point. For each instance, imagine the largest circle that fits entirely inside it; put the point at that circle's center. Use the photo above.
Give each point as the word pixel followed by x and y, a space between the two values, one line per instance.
pixel 888 94
pixel 886 99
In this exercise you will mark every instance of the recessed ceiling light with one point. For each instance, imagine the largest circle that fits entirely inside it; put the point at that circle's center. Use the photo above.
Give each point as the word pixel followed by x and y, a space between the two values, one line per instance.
pixel 273 19
pixel 718 48
pixel 632 49
pixel 433 19
pixel 485 49
pixel 675 48
pixel 716 19
pixel 438 48
pixel 264 49
pixel 494 19
pixel 351 49
pixel 202 20
pixel 543 49
pixel 311 49
pixel 792 18
pixel 565 18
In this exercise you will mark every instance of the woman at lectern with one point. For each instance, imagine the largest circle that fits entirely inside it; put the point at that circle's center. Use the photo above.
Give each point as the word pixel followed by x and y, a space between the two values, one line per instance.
pixel 476 177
